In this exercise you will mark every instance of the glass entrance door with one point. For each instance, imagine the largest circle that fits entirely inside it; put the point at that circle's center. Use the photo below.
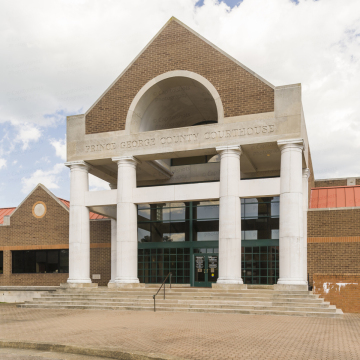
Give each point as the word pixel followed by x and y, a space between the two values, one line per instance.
pixel 206 268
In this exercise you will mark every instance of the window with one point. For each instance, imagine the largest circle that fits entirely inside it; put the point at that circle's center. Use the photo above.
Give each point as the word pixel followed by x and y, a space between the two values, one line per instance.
pixel 168 222
pixel 40 261
pixel 260 264
pixel 178 222
pixel 155 264
pixel 260 218
pixel 1 262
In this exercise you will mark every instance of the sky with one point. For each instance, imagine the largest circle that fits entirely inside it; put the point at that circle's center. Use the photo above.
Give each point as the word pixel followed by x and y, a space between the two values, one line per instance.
pixel 58 56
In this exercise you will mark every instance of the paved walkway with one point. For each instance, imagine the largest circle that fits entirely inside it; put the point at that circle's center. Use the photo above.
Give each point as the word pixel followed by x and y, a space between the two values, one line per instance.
pixel 19 354
pixel 188 335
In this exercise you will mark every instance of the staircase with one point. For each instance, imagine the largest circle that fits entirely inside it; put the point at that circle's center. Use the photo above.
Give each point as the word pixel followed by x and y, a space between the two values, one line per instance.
pixel 257 301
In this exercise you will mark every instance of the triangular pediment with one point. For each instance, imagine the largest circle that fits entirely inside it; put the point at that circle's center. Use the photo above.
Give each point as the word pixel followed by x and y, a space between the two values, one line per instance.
pixel 177 47
pixel 40 187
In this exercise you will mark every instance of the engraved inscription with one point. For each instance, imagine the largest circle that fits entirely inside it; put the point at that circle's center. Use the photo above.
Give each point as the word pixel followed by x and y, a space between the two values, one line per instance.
pixel 254 130
pixel 137 143
pixel 179 138
pixel 100 147
pixel 185 138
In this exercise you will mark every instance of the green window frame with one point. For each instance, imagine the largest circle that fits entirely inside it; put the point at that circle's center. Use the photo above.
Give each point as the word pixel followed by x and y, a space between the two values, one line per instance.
pixel 260 240
pixel 198 222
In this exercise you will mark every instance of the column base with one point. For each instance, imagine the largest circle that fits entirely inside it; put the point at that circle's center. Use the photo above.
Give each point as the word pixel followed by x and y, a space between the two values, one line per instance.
pixel 78 285
pixel 235 281
pixel 115 285
pixel 291 287
pixel 221 286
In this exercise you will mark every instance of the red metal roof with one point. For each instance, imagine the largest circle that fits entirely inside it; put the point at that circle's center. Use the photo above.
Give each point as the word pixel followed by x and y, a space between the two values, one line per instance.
pixel 93 216
pixel 5 211
pixel 9 211
pixel 335 197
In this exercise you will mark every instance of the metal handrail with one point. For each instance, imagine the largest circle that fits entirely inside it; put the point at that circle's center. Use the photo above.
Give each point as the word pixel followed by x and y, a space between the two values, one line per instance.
pixel 163 283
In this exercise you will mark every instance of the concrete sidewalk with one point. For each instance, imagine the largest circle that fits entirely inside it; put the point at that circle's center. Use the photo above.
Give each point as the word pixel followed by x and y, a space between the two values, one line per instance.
pixel 19 354
pixel 185 335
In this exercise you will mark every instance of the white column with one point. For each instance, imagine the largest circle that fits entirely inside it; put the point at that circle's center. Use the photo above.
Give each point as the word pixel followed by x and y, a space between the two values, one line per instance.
pixel 305 183
pixel 79 229
pixel 113 243
pixel 126 244
pixel 229 216
pixel 291 213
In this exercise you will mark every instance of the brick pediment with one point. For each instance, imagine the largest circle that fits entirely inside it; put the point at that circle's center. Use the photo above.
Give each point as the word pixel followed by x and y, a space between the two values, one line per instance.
pixel 176 47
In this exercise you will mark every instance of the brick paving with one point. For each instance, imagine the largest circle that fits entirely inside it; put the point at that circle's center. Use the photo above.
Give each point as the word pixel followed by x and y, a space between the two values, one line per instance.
pixel 188 335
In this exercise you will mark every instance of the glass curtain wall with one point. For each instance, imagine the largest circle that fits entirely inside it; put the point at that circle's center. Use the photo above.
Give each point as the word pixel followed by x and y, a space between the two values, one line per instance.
pixel 260 240
pixel 170 234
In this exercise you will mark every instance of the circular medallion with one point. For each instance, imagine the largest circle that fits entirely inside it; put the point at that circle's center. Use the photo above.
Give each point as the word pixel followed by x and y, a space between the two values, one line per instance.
pixel 39 209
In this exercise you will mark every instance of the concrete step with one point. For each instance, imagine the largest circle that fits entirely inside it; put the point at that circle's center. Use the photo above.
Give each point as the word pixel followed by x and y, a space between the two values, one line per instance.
pixel 193 297
pixel 172 293
pixel 337 313
pixel 317 302
pixel 253 301
pixel 265 306
pixel 183 291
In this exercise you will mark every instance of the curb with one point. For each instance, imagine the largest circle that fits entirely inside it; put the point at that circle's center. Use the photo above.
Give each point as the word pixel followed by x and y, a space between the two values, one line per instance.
pixel 78 350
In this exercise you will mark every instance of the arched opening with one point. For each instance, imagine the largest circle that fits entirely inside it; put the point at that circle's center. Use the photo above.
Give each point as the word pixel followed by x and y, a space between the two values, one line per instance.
pixel 174 102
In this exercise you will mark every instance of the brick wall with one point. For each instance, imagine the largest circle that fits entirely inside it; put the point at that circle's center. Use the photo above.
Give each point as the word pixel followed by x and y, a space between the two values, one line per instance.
pixel 327 183
pixel 342 290
pixel 26 229
pixel 27 232
pixel 100 252
pixel 176 48
pixel 100 231
pixel 334 223
pixel 333 257
pixel 100 263
pixel 333 242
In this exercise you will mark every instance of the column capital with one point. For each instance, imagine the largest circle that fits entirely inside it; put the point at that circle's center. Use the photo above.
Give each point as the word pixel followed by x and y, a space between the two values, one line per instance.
pixel 230 148
pixel 120 160
pixel 291 143
pixel 79 164
pixel 113 186
pixel 306 173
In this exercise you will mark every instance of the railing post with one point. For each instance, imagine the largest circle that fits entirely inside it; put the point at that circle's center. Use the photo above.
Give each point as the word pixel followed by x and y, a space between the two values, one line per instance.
pixel 169 274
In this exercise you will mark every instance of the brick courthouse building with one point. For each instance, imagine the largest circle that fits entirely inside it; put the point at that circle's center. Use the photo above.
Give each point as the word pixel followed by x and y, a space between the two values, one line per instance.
pixel 210 169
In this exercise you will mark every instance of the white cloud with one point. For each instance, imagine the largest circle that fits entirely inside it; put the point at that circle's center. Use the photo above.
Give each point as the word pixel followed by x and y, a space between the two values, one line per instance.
pixel 60 147
pixel 96 184
pixel 2 163
pixel 27 133
pixel 316 43
pixel 43 160
pixel 49 178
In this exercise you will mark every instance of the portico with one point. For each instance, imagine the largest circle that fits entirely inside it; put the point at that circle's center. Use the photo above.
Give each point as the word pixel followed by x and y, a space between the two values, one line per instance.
pixel 185 173
pixel 228 190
